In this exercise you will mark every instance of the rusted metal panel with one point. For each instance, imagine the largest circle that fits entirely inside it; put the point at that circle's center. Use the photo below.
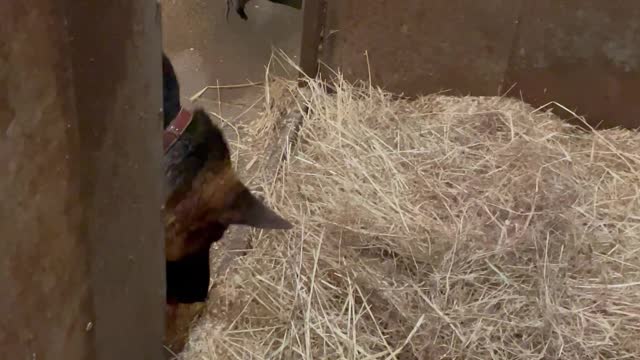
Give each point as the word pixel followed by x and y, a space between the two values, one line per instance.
pixel 314 13
pixel 584 54
pixel 81 256
pixel 416 46
pixel 116 48
pixel 46 302
pixel 581 53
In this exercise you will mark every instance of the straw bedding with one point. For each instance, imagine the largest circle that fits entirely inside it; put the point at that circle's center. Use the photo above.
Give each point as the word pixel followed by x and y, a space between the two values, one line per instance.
pixel 439 228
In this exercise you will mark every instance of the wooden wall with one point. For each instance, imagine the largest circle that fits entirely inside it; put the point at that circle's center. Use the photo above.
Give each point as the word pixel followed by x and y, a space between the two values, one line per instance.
pixel 81 250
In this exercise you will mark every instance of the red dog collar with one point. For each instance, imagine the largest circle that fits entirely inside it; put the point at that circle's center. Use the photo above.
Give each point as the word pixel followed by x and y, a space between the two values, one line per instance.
pixel 175 129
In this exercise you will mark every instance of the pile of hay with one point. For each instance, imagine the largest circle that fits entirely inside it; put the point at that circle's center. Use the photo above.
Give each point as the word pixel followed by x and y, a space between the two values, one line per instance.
pixel 441 228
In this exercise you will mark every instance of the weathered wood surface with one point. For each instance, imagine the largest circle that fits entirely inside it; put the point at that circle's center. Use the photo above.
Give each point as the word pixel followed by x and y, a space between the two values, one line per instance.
pixel 81 256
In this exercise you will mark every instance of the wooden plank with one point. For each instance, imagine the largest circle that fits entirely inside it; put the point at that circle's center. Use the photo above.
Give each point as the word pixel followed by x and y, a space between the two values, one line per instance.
pixel 44 270
pixel 80 150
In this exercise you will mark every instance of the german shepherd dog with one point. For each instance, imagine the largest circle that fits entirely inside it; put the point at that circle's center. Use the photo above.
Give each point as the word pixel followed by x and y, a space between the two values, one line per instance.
pixel 203 197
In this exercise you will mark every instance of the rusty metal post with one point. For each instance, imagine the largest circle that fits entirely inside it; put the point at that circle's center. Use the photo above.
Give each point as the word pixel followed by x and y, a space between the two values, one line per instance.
pixel 81 255
pixel 314 12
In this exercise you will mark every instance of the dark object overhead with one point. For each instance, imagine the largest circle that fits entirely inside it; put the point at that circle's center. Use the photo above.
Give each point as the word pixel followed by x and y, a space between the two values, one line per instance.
pixel 239 5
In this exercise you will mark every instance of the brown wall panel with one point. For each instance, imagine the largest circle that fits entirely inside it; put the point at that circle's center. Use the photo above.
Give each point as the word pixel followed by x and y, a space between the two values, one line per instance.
pixel 46 297
pixel 422 46
pixel 581 53
pixel 584 54
pixel 81 250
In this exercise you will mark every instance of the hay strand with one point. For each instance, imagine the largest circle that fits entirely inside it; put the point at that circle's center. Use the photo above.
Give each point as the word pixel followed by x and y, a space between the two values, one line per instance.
pixel 439 228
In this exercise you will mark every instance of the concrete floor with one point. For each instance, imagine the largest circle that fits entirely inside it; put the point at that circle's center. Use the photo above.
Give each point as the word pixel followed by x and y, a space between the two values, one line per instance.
pixel 206 49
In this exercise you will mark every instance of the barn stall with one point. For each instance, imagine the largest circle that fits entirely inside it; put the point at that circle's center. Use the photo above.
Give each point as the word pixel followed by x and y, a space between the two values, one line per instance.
pixel 487 212
pixel 447 225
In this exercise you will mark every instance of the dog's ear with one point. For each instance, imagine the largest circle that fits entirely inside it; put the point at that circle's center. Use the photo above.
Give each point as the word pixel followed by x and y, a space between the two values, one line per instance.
pixel 245 209
pixel 170 91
